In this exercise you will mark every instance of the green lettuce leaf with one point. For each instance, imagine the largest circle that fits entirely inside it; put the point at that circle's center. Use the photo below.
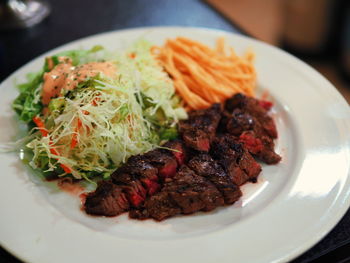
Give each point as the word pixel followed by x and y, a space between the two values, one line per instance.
pixel 28 103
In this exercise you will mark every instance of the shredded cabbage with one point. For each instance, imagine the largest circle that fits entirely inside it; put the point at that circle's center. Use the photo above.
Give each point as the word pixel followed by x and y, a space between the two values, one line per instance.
pixel 111 119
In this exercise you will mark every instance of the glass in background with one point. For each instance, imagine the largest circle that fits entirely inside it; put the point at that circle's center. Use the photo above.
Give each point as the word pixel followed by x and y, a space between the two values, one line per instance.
pixel 16 14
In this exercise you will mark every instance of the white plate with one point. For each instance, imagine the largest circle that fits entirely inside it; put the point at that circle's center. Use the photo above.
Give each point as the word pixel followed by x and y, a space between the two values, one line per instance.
pixel 294 204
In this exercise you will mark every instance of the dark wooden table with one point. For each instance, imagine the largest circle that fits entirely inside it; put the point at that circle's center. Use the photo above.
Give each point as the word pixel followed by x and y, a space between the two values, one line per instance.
pixel 71 20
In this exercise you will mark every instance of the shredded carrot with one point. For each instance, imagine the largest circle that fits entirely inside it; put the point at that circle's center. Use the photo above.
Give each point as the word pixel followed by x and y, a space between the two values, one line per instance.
pixel 203 75
pixel 74 140
pixel 132 55
pixel 65 168
pixel 40 124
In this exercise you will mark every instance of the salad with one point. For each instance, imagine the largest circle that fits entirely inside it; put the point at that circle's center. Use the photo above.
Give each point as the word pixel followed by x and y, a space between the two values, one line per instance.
pixel 88 111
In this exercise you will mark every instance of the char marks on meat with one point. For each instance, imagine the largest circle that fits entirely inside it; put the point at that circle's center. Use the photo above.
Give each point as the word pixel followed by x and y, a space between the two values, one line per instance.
pixel 159 206
pixel 185 193
pixel 255 108
pixel 261 146
pixel 205 166
pixel 247 118
pixel 137 178
pixel 192 192
pixel 198 173
pixel 107 200
pixel 199 129
pixel 236 122
pixel 235 159
pixel 132 187
pixel 178 149
pixel 164 160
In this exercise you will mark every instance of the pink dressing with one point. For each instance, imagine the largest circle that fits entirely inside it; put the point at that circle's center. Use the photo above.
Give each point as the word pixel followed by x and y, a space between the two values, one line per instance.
pixel 66 76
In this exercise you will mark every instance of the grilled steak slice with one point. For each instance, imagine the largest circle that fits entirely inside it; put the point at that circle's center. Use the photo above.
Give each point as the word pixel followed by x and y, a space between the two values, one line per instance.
pixel 248 119
pixel 237 122
pixel 235 159
pixel 140 166
pixel 107 200
pixel 159 206
pixel 192 192
pixel 260 145
pixel 132 186
pixel 199 129
pixel 141 169
pixel 179 152
pixel 249 166
pixel 185 193
pixel 139 177
pixel 164 161
pixel 254 108
pixel 236 174
pixel 139 213
pixel 205 166
pixel 197 139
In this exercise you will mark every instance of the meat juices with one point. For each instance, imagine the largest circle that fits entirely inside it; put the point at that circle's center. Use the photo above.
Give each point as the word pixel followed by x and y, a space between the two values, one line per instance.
pixel 199 172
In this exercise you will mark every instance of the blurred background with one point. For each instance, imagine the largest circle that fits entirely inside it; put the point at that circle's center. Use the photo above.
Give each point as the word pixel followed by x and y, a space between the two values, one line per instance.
pixel 316 31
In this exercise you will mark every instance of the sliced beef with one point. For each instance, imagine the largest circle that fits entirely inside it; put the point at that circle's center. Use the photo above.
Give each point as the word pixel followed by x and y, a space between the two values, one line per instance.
pixel 205 166
pixel 159 206
pixel 139 165
pixel 132 186
pixel 261 146
pixel 139 177
pixel 249 166
pixel 197 139
pixel 237 122
pixel 237 101
pixel 199 129
pixel 235 159
pixel 255 108
pixel 248 119
pixel 139 213
pixel 236 174
pixel 185 193
pixel 107 200
pixel 178 150
pixel 192 192
pixel 141 169
pixel 164 161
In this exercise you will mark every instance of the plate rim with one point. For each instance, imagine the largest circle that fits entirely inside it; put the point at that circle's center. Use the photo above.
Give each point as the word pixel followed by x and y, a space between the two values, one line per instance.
pixel 296 252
